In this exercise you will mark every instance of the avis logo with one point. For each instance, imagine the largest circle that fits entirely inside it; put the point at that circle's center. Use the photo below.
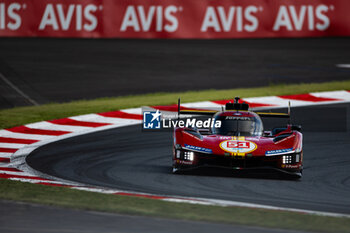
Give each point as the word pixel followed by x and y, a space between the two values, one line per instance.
pixel 151 120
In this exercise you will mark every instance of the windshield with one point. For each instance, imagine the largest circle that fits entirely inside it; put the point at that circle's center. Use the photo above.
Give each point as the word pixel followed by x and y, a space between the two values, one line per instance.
pixel 239 126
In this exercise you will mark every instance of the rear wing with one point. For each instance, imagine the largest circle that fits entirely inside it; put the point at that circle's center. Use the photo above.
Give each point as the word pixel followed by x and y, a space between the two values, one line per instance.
pixel 198 112
pixel 273 114
pixel 231 106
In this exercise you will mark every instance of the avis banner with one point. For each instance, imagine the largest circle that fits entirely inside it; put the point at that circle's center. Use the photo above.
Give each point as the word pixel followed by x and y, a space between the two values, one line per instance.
pixel 174 18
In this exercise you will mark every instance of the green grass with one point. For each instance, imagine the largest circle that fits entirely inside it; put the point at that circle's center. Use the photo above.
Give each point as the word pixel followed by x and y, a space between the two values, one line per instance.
pixel 64 197
pixel 24 115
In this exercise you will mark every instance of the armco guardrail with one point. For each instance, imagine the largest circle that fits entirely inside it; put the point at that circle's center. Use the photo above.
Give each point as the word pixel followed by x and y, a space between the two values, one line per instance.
pixel 174 18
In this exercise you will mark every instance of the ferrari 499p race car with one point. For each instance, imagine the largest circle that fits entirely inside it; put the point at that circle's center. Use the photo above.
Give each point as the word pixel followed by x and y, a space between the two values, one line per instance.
pixel 239 143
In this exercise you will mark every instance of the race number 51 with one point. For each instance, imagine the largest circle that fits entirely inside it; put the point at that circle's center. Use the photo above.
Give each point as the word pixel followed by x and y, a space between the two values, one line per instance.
pixel 233 144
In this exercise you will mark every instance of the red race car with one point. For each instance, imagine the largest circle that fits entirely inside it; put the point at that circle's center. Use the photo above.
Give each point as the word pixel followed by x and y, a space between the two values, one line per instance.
pixel 238 142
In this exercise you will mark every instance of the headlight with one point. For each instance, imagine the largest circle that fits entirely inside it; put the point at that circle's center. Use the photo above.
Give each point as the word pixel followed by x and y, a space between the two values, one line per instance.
pixel 291 159
pixel 287 159
pixel 188 155
pixel 178 154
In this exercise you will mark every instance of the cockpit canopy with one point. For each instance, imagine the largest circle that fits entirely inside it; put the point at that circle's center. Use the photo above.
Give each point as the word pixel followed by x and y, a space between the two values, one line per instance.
pixel 238 123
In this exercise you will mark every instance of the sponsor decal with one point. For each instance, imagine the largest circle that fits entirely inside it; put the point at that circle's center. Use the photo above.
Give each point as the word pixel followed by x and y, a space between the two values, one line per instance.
pixel 290 166
pixel 197 148
pixel 140 19
pixel 178 161
pixel 85 17
pixel 186 162
pixel 279 152
pixel 174 19
pixel 238 118
pixel 151 120
pixel 239 147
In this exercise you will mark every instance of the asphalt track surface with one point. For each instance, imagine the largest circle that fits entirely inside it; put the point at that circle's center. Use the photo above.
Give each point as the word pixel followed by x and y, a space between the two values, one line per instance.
pixel 48 70
pixel 52 219
pixel 128 159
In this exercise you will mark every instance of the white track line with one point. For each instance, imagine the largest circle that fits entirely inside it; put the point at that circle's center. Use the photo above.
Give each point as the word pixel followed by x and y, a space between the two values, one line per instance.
pixel 8 82
pixel 5 155
pixel 133 111
pixel 341 95
pixel 34 181
pixel 50 126
pixel 20 173
pixel 202 105
pixel 12 145
pixel 251 205
pixel 9 134
pixel 101 119
pixel 281 102
pixel 106 191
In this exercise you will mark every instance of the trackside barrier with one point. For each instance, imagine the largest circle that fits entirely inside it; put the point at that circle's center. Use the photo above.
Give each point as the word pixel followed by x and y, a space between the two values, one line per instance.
pixel 174 18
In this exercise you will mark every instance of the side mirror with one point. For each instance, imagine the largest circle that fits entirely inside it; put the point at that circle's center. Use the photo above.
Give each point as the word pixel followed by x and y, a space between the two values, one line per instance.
pixel 296 127
pixel 267 133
